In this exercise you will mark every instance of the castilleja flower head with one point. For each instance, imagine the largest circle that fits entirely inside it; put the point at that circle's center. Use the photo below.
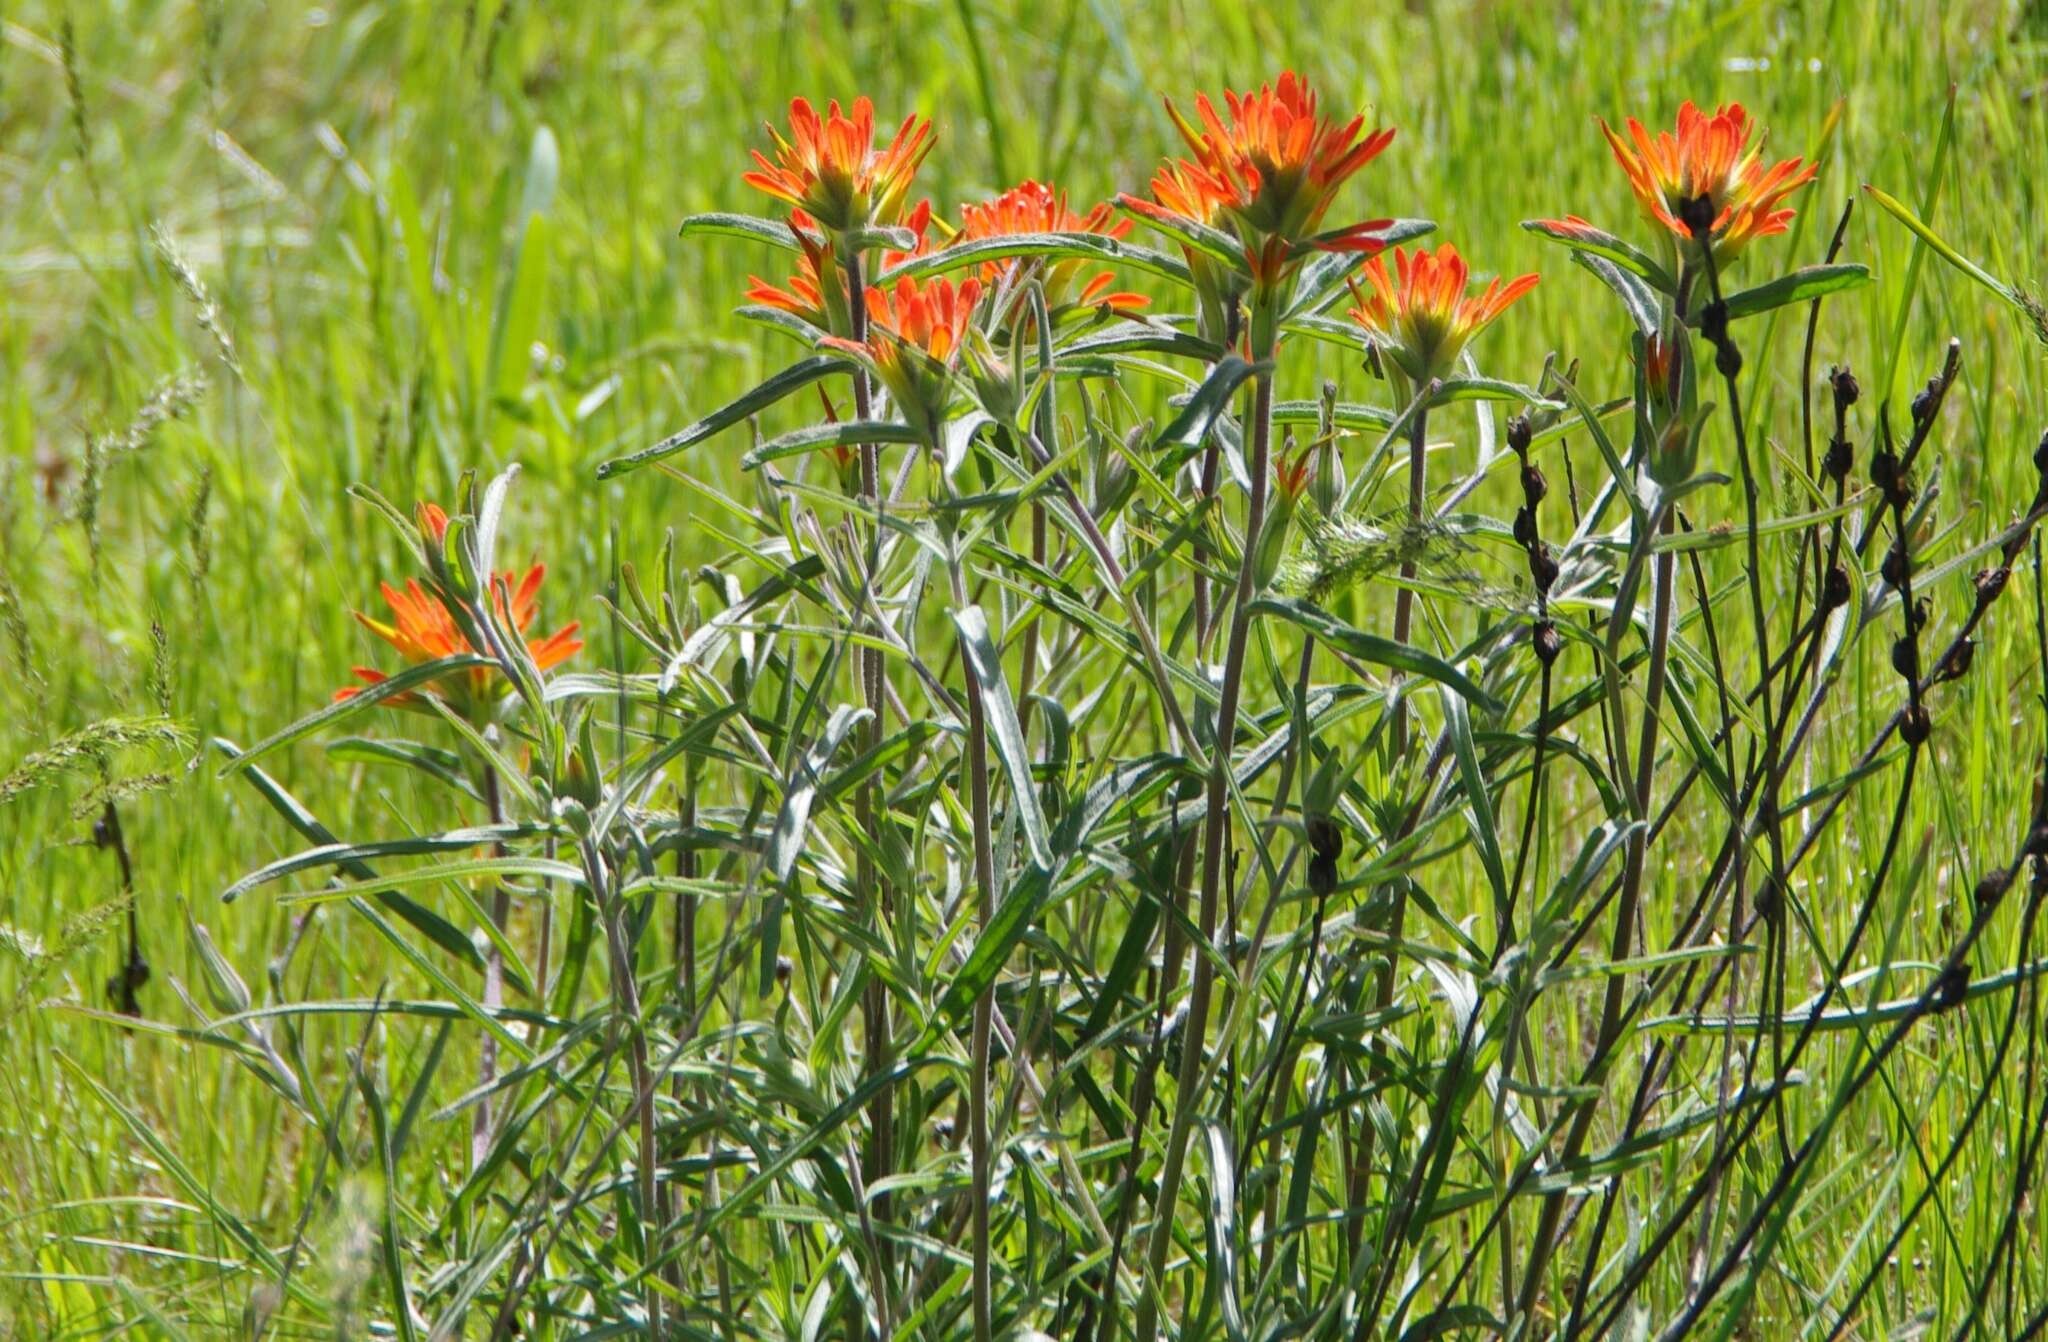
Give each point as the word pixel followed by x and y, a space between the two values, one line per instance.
pixel 1421 318
pixel 817 291
pixel 915 332
pixel 829 166
pixel 1034 207
pixel 1275 163
pixel 1709 156
pixel 423 630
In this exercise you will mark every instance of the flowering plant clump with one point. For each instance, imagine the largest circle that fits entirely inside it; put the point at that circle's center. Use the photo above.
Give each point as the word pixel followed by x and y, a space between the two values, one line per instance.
pixel 1162 811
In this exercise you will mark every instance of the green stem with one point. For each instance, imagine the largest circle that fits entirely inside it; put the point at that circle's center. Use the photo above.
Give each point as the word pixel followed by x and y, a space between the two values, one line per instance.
pixel 1215 832
pixel 984 1004
pixel 868 881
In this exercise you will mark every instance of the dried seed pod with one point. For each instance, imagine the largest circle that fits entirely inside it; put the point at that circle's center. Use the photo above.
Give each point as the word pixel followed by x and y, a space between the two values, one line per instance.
pixel 1525 527
pixel 1952 987
pixel 1915 726
pixel 1835 593
pixel 1547 642
pixel 1956 664
pixel 1727 358
pixel 1520 435
pixel 1990 582
pixel 1843 383
pixel 1838 461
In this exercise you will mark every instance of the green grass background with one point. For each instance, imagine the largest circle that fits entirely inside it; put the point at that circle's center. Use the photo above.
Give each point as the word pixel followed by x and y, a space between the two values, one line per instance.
pixel 347 180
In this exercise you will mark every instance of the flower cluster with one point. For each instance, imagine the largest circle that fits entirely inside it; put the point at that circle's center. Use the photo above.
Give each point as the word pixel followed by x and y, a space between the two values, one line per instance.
pixel 424 630
pixel 1422 320
pixel 1710 159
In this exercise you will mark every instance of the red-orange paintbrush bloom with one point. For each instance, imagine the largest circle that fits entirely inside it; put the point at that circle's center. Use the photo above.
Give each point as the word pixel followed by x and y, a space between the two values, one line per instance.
pixel 1711 156
pixel 815 298
pixel 1276 164
pixel 1182 190
pixel 1034 207
pixel 1421 319
pixel 914 333
pixel 423 631
pixel 829 166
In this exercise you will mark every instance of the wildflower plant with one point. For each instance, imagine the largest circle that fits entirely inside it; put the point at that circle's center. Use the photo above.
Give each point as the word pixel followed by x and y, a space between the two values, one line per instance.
pixel 1081 863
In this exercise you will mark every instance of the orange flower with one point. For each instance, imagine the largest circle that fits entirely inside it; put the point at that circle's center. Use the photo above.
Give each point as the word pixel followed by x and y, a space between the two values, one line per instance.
pixel 423 631
pixel 1277 164
pixel 914 333
pixel 808 295
pixel 829 167
pixel 1034 207
pixel 1182 189
pixel 1423 321
pixel 1710 156
pixel 931 319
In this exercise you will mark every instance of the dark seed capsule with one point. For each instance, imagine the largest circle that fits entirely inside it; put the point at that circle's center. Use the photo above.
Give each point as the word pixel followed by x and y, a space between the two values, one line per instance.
pixel 1957 664
pixel 1836 593
pixel 1547 642
pixel 1324 838
pixel 1915 726
pixel 1846 391
pixel 1322 875
pixel 1992 888
pixel 1991 582
pixel 1906 657
pixel 1952 988
pixel 1895 568
pixel 1727 358
pixel 1542 568
pixel 1714 323
pixel 1768 905
pixel 1520 434
pixel 1534 486
pixel 2041 454
pixel 1925 400
pixel 1525 527
pixel 1840 458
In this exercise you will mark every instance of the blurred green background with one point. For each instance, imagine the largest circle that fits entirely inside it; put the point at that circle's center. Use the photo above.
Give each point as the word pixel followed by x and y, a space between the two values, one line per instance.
pixel 442 235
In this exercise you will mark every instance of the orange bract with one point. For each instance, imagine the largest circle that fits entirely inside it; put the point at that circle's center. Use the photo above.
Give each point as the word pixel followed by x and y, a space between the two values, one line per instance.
pixel 1181 188
pixel 422 630
pixel 1711 156
pixel 1034 207
pixel 806 295
pixel 931 319
pixel 914 333
pixel 1292 474
pixel 1423 318
pixel 829 166
pixel 1276 163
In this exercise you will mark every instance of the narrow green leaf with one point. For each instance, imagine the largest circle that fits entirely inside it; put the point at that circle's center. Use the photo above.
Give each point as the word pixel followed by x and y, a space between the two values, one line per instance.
pixel 987 665
pixel 369 696
pixel 1083 246
pixel 1599 242
pixel 797 375
pixel 1372 648
pixel 1800 286
pixel 786 843
pixel 845 433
